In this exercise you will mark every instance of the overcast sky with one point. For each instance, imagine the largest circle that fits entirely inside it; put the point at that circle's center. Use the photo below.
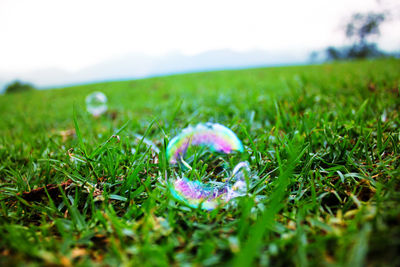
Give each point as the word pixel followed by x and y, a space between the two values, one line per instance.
pixel 75 34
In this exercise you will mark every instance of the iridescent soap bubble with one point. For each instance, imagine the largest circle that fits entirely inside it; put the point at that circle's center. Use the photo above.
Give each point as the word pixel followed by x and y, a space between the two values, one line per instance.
pixel 96 103
pixel 213 137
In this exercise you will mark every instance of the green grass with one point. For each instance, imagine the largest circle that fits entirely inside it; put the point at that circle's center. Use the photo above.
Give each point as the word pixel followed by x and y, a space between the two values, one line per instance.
pixel 322 140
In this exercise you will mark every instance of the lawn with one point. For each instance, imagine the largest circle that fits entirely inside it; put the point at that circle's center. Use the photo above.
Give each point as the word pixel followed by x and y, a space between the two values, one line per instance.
pixel 322 142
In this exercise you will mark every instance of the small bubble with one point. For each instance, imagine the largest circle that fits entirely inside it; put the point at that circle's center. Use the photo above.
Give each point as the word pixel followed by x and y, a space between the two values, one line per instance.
pixel 96 103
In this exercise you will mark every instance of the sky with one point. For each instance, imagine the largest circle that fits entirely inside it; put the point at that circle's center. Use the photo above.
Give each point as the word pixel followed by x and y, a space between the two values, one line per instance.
pixel 74 35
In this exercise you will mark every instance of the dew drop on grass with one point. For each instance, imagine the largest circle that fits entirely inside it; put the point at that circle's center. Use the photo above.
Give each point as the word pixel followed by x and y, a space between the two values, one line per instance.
pixel 96 103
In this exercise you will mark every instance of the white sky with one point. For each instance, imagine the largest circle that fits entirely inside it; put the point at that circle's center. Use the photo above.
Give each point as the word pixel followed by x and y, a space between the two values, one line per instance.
pixel 74 34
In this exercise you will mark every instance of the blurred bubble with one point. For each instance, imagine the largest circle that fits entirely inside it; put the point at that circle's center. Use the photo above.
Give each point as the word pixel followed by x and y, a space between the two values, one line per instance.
pixel 96 103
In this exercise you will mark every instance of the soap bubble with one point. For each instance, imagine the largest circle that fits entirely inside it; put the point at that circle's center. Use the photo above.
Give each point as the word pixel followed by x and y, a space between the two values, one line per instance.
pixel 198 194
pixel 96 103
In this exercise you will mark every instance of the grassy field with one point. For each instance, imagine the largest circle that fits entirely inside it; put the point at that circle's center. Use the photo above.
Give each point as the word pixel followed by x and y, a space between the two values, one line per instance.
pixel 322 142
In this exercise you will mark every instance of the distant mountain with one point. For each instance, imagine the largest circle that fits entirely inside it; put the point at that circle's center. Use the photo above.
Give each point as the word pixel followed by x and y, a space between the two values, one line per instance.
pixel 138 66
pixel 2 85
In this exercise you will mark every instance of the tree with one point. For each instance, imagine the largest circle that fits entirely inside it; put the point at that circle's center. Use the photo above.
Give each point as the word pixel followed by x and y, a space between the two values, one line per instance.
pixel 334 53
pixel 18 86
pixel 364 26
pixel 360 30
